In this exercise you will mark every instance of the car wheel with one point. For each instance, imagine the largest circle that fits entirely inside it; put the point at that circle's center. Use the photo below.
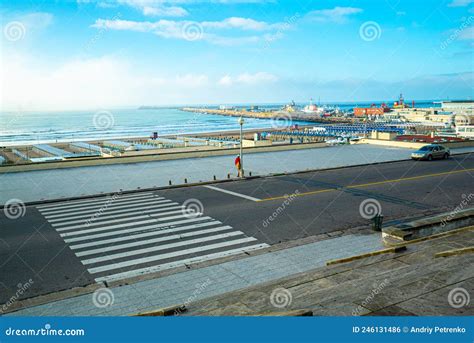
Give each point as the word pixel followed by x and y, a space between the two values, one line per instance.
pixel 446 156
pixel 430 158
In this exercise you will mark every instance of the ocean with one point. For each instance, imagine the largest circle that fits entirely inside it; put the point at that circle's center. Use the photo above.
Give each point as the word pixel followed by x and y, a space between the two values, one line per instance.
pixel 60 126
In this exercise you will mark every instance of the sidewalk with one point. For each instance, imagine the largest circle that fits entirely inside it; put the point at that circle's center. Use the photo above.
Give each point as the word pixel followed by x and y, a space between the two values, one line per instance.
pixel 198 284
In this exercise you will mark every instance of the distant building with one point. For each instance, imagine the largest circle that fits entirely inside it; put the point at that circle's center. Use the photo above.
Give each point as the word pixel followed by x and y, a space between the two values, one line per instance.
pixel 371 111
pixel 458 105
pixel 466 131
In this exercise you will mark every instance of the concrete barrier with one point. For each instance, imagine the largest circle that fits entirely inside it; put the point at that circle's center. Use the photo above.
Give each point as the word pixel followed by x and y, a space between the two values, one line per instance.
pixel 428 226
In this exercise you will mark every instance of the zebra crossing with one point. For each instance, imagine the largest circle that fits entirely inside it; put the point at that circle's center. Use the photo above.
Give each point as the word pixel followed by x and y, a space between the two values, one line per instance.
pixel 122 236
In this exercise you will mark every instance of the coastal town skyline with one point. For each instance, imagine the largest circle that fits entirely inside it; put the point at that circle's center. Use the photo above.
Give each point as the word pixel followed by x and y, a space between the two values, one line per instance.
pixel 101 54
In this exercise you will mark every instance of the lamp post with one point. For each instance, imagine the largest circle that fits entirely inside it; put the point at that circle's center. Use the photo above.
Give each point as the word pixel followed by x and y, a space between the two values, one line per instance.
pixel 241 123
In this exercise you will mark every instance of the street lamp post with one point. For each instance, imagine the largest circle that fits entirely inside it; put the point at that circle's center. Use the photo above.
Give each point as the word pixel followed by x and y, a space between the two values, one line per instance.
pixel 241 122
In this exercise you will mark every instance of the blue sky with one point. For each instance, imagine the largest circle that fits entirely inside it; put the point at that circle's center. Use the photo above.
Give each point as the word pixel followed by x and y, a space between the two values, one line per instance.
pixel 90 54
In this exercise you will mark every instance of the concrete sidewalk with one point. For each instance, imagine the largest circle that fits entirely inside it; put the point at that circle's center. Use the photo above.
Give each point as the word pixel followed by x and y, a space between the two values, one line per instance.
pixel 202 283
pixel 72 182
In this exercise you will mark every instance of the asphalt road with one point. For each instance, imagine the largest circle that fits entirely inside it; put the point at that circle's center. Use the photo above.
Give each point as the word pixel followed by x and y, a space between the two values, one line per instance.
pixel 70 244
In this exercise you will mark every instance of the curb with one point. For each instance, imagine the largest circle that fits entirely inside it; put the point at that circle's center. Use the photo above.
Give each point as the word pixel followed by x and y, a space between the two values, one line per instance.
pixel 447 253
pixel 163 312
pixel 369 254
pixel 435 236
pixel 291 313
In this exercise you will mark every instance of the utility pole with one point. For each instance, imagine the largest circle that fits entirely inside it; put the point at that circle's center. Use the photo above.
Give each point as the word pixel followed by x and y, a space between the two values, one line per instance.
pixel 241 122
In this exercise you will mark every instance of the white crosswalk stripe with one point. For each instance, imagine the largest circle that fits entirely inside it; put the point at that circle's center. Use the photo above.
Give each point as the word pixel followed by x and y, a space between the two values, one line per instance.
pixel 123 236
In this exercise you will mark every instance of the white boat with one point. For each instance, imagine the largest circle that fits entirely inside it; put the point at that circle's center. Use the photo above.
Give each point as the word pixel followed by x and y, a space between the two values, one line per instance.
pixel 313 109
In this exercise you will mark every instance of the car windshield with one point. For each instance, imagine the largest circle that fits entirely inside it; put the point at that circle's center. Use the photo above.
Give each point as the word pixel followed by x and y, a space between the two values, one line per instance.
pixel 426 148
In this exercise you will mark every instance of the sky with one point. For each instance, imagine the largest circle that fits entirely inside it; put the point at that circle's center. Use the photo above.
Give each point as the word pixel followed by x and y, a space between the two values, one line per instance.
pixel 88 54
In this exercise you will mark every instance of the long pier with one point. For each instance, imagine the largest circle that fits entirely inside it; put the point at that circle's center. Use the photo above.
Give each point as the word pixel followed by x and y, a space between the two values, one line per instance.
pixel 297 116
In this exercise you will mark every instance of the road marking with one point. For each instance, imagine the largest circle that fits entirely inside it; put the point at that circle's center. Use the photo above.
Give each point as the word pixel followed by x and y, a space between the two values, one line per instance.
pixel 132 218
pixel 232 193
pixel 137 229
pixel 94 201
pixel 155 233
pixel 152 249
pixel 164 266
pixel 135 236
pixel 97 206
pixel 368 184
pixel 169 255
pixel 89 213
pixel 129 205
pixel 101 219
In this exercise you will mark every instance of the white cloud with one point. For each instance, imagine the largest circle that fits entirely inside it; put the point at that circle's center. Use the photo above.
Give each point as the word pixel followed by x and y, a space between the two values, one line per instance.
pixel 155 8
pixel 467 33
pixel 162 8
pixel 336 15
pixel 460 3
pixel 260 77
pixel 109 81
pixel 248 79
pixel 205 31
pixel 225 81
